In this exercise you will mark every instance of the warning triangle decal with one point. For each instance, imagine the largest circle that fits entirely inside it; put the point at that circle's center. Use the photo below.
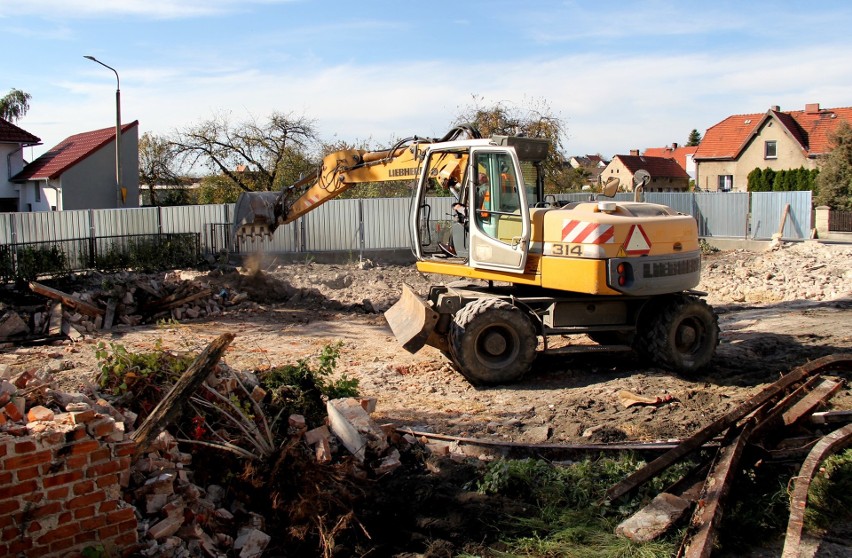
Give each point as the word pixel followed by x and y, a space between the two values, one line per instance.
pixel 637 243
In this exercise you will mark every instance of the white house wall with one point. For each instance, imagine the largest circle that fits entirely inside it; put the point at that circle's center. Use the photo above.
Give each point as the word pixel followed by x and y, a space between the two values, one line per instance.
pixel 90 184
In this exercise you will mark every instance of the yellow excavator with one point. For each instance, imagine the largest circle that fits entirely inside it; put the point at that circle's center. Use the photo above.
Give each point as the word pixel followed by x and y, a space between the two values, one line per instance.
pixel 530 269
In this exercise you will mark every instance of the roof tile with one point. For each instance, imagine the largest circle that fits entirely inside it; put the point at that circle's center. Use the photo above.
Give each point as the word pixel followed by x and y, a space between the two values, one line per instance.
pixel 9 133
pixel 68 153
pixel 657 167
pixel 812 129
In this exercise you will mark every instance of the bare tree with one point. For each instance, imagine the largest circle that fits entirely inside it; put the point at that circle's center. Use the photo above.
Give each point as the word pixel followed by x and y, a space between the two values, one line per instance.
pixel 157 164
pixel 14 105
pixel 252 155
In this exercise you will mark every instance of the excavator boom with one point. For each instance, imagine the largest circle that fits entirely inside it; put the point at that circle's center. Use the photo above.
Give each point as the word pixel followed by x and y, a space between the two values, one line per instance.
pixel 260 213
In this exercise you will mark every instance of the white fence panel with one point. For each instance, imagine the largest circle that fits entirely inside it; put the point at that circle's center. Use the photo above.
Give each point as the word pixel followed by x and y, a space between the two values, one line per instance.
pixel 386 223
pixel 333 226
pixel 121 222
pixel 48 226
pixel 722 214
pixel 767 210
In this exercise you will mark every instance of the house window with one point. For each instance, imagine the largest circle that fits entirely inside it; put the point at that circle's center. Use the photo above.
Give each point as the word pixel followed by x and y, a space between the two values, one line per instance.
pixel 770 150
pixel 37 193
pixel 726 182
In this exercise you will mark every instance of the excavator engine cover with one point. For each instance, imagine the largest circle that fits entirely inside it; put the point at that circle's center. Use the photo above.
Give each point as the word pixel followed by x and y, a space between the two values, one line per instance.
pixel 411 320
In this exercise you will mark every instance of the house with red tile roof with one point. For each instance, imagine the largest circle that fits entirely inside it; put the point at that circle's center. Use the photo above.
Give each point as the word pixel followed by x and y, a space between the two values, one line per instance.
pixel 776 139
pixel 682 154
pixel 13 140
pixel 666 174
pixel 79 173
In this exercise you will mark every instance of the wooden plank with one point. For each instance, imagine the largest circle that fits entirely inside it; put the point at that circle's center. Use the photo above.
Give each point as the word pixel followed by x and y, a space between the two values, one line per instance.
pixel 837 440
pixel 173 403
pixel 701 534
pixel 69 301
pixel 833 362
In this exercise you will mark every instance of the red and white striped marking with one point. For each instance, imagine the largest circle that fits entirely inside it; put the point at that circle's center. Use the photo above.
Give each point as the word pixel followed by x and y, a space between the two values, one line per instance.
pixel 582 232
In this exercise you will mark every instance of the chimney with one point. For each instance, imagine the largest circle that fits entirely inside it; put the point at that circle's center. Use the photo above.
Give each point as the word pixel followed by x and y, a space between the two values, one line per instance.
pixel 775 108
pixel 634 152
pixel 812 108
pixel 674 145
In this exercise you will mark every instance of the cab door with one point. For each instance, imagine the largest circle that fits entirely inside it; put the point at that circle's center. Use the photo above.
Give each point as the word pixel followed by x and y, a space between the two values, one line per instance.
pixel 498 213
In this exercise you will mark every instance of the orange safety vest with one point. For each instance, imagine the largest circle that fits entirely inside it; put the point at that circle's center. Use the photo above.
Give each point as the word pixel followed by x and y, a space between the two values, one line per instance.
pixel 486 204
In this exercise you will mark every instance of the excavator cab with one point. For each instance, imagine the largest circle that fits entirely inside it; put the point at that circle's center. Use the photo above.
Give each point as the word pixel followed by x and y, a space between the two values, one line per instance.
pixel 495 230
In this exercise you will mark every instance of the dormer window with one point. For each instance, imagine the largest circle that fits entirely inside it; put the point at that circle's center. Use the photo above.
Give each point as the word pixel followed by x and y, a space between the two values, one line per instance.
pixel 770 150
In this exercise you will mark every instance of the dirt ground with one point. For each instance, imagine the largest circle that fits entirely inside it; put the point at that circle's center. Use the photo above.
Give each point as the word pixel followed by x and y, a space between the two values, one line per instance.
pixel 798 310
pixel 777 309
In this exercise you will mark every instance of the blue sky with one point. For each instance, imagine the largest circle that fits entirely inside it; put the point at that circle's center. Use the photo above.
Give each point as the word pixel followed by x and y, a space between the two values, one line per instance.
pixel 621 75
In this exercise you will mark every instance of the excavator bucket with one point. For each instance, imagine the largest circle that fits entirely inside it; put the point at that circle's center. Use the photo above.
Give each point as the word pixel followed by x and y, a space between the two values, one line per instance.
pixel 411 320
pixel 254 214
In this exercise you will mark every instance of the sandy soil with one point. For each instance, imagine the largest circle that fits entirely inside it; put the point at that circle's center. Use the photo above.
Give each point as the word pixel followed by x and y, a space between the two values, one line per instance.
pixel 296 309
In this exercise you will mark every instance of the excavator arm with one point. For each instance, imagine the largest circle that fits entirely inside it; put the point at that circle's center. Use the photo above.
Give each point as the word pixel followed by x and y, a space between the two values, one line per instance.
pixel 260 213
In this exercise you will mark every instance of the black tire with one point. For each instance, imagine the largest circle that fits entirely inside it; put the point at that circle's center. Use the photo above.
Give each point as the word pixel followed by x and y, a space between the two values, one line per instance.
pixel 682 337
pixel 492 342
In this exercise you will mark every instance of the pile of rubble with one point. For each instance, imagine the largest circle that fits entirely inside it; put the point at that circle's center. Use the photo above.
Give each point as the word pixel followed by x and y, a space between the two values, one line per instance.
pixel 126 298
pixel 172 515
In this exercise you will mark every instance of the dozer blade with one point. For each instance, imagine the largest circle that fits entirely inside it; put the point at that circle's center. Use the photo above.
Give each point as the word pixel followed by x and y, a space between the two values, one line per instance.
pixel 411 320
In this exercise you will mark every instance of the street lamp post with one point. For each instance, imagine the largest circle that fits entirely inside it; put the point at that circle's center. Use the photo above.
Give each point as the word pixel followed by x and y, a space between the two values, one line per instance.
pixel 119 196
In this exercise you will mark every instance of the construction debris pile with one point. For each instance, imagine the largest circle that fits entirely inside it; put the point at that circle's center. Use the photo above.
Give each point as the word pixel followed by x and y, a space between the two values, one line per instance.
pixel 125 298
pixel 176 514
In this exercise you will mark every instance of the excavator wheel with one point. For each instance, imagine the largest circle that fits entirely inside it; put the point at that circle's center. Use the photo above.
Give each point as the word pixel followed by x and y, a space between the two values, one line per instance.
pixel 683 336
pixel 492 342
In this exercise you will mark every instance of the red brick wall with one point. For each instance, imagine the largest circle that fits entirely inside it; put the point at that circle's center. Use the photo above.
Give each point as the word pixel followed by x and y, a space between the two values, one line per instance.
pixel 60 490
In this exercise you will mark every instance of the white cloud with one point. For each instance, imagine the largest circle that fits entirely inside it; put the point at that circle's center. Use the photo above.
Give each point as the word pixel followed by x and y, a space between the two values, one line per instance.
pixel 158 9
pixel 610 104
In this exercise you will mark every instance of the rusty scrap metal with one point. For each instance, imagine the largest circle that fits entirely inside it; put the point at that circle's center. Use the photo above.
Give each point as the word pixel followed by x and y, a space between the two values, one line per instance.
pixel 701 536
pixel 831 362
pixel 837 440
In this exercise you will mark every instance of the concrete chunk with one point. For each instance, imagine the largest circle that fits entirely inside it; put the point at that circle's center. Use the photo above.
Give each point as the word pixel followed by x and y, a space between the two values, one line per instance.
pixel 251 543
pixel 654 519
pixel 356 430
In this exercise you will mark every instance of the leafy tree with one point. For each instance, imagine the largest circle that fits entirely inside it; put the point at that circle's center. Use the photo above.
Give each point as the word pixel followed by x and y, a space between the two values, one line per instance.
pixel 156 168
pixel 252 155
pixel 834 182
pixel 14 105
pixel 217 188
pixel 694 138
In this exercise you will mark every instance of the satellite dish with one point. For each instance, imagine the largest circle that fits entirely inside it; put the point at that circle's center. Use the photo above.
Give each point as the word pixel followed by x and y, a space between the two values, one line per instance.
pixel 641 178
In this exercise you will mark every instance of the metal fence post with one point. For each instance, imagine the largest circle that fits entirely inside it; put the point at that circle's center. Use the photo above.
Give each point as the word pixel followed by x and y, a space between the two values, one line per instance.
pixel 361 242
pixel 92 238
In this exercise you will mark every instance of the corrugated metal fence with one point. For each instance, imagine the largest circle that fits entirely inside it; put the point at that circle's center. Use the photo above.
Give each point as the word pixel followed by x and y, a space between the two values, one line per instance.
pixel 375 224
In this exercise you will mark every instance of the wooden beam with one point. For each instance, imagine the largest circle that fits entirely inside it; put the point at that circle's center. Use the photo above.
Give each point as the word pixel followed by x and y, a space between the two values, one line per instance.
pixel 173 403
pixel 71 302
